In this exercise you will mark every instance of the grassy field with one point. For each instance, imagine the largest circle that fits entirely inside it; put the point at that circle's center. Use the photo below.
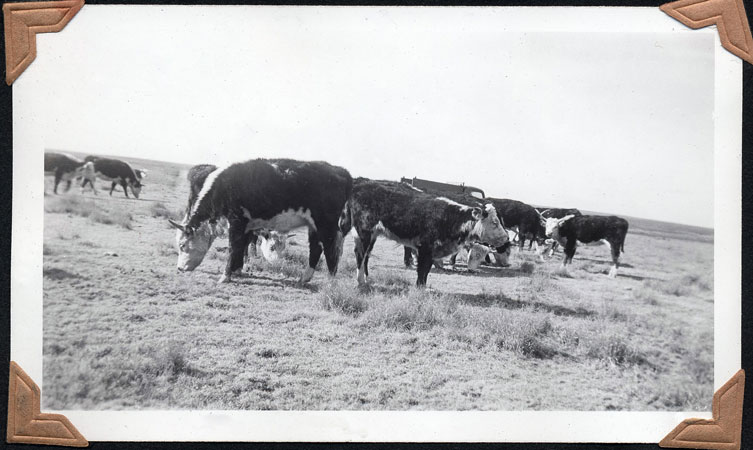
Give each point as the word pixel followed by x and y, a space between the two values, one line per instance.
pixel 124 330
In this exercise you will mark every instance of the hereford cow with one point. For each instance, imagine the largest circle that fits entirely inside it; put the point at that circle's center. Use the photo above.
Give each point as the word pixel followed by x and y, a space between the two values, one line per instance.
pixel 572 229
pixel 114 170
pixel 556 213
pixel 435 226
pixel 274 194
pixel 63 167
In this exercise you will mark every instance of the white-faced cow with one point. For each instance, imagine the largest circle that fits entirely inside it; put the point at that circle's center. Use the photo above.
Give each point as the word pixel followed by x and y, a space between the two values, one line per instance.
pixel 116 171
pixel 556 213
pixel 435 226
pixel 571 229
pixel 274 194
pixel 63 167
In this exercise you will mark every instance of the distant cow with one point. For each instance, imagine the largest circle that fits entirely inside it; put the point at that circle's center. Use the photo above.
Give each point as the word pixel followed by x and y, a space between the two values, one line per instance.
pixel 116 171
pixel 521 216
pixel 435 226
pixel 63 167
pixel 571 229
pixel 268 194
pixel 557 213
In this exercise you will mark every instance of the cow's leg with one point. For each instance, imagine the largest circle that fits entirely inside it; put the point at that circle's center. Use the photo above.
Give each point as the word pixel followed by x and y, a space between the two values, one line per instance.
pixel 315 253
pixel 615 247
pixel 364 244
pixel 67 185
pixel 125 187
pixel 112 188
pixel 569 253
pixel 250 252
pixel 238 240
pixel 58 176
pixel 423 265
pixel 454 258
pixel 407 257
pixel 332 243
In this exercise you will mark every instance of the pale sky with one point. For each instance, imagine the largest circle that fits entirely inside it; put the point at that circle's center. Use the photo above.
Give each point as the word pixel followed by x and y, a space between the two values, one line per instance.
pixel 611 122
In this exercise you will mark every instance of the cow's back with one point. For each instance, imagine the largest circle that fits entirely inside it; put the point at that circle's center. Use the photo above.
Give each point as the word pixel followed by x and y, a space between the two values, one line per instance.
pixel 264 188
pixel 59 161
pixel 593 228
pixel 114 168
pixel 514 213
pixel 405 211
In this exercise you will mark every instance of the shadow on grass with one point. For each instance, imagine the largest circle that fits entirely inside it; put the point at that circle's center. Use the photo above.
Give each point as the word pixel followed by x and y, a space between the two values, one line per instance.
pixel 487 300
pixel 251 279
pixel 483 272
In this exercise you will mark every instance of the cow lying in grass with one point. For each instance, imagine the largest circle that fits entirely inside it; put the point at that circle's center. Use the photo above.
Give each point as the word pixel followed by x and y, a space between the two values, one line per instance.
pixel 274 194
pixel 435 226
pixel 571 229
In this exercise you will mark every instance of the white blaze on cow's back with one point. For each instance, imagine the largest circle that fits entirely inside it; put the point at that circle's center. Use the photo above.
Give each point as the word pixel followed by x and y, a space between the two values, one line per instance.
pixel 208 183
pixel 453 203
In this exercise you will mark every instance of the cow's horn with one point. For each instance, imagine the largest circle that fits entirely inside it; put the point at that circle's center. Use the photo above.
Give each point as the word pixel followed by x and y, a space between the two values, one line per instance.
pixel 177 225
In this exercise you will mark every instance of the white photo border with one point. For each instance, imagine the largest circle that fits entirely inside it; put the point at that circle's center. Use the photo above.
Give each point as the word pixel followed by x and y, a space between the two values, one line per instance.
pixel 404 426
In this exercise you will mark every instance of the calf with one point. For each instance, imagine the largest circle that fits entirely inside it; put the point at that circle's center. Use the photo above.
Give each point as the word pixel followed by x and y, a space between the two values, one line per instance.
pixel 274 194
pixel 571 229
pixel 556 213
pixel 435 226
pixel 116 171
pixel 63 167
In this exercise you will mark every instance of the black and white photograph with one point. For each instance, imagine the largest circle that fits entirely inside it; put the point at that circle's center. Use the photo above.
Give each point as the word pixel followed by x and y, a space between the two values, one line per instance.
pixel 307 209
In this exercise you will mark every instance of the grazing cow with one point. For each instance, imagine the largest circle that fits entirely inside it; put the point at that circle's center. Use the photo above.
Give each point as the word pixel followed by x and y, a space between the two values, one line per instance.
pixel 63 167
pixel 114 170
pixel 274 194
pixel 523 217
pixel 556 213
pixel 435 226
pixel 571 229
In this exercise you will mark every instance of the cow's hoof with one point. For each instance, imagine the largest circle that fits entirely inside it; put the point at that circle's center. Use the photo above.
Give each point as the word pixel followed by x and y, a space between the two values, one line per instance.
pixel 612 273
pixel 224 279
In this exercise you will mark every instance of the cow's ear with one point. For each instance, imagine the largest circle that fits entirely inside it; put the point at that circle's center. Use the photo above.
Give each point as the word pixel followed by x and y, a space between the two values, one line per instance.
pixel 477 213
pixel 565 219
pixel 177 225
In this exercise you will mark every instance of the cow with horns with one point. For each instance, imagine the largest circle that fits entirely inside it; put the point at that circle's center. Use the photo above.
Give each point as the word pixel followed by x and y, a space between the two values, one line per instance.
pixel 435 226
pixel 267 194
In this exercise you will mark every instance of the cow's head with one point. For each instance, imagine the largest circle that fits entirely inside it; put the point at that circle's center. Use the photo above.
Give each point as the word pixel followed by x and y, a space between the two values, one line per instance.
pixel 193 244
pixel 272 245
pixel 136 188
pixel 488 227
pixel 552 225
pixel 476 255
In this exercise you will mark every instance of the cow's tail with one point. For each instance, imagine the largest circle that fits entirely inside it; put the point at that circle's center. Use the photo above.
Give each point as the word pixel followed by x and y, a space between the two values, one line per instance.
pixel 346 219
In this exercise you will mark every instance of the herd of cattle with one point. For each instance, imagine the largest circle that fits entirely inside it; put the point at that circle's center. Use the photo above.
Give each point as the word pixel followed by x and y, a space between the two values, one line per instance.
pixel 268 197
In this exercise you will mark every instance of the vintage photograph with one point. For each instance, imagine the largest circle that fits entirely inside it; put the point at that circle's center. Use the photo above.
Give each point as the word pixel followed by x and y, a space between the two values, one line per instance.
pixel 374 209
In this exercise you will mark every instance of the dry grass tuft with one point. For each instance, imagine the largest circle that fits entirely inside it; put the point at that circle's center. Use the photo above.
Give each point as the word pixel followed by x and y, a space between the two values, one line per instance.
pixel 121 218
